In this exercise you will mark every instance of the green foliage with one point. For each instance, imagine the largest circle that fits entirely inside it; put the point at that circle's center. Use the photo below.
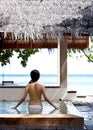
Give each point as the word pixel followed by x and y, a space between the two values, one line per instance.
pixel 75 53
pixel 5 55
pixel 80 53
pixel 23 54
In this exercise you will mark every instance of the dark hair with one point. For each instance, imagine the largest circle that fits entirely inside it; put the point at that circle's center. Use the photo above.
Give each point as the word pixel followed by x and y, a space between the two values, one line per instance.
pixel 34 75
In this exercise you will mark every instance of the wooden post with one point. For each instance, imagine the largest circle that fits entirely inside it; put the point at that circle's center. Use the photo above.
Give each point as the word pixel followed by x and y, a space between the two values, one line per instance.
pixel 62 50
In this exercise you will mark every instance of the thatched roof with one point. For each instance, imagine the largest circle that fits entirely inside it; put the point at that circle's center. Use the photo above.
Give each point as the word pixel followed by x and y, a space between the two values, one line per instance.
pixel 48 18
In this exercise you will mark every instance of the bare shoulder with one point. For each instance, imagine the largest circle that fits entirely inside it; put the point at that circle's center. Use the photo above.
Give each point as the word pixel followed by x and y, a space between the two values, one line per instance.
pixel 32 85
pixel 27 87
pixel 42 87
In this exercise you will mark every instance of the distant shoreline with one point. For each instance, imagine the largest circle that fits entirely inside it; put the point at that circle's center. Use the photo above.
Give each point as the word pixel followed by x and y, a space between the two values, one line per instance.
pixel 47 74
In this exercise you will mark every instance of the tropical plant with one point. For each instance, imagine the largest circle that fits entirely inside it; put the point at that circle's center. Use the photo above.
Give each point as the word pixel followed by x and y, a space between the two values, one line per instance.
pixel 23 54
pixel 80 53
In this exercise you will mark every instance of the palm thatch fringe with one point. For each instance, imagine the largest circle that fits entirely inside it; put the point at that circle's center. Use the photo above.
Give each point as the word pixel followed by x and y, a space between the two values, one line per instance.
pixel 46 18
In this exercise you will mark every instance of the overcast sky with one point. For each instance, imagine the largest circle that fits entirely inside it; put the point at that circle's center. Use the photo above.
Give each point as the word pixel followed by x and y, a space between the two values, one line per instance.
pixel 46 63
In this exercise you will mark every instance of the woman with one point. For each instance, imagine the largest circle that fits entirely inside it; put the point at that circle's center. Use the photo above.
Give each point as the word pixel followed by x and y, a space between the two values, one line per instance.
pixel 35 92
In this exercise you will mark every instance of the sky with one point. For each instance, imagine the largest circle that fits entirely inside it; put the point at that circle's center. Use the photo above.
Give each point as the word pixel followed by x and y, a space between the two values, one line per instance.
pixel 46 63
pixel 80 66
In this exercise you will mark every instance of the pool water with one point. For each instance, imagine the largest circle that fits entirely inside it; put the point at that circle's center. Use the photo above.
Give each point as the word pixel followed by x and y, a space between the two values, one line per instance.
pixel 5 108
pixel 7 123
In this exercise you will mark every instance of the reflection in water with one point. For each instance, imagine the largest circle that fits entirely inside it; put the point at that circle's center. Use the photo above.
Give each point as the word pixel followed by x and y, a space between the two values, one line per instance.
pixel 18 112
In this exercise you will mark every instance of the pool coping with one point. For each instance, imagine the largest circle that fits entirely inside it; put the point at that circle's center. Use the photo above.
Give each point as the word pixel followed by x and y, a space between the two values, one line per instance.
pixel 42 120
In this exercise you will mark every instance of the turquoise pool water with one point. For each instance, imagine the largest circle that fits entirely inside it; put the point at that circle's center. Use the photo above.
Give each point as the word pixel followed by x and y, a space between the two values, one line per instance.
pixel 5 108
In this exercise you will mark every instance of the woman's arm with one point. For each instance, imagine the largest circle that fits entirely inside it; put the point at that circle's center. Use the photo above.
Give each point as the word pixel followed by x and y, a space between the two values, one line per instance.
pixel 22 99
pixel 47 99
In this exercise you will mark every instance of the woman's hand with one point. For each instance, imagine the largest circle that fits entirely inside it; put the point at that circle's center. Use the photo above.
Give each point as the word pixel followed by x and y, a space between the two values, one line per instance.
pixel 57 108
pixel 14 107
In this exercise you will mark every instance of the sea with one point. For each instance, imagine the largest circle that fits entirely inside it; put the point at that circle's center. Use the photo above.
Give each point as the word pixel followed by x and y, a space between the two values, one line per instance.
pixel 82 83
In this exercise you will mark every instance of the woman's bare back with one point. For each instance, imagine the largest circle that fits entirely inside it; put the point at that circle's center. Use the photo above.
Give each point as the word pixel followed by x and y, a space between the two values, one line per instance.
pixel 35 93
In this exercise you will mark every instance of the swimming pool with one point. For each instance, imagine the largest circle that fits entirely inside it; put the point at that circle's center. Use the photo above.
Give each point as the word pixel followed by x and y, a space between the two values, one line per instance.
pixel 5 108
pixel 50 119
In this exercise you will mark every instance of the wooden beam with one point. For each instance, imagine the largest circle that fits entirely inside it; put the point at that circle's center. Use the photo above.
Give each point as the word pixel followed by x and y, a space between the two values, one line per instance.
pixel 80 42
pixel 1 39
pixel 28 44
pixel 10 41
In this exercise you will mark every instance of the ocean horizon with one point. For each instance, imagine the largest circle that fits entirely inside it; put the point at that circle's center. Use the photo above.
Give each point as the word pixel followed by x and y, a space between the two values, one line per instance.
pixel 82 83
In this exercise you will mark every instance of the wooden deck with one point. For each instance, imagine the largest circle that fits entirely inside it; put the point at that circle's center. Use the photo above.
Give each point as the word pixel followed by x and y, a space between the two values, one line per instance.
pixel 85 106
